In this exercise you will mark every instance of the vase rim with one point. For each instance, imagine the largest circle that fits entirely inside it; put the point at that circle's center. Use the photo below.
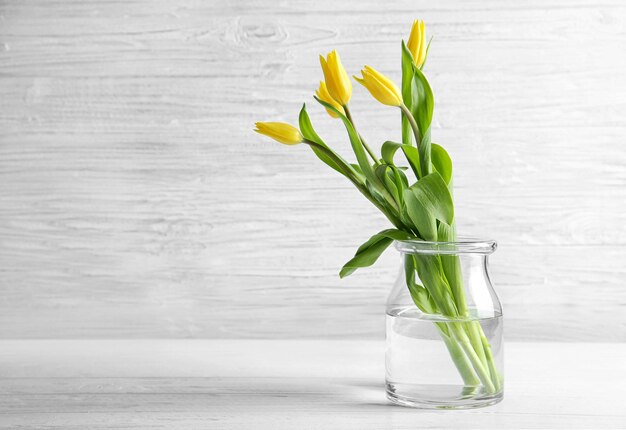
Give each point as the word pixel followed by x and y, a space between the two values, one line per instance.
pixel 463 245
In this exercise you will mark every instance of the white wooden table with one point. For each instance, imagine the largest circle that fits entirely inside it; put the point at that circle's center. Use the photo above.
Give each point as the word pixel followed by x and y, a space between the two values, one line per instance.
pixel 286 384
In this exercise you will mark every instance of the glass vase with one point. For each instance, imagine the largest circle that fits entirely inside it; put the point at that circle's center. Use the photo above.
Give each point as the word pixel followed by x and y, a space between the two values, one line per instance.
pixel 444 327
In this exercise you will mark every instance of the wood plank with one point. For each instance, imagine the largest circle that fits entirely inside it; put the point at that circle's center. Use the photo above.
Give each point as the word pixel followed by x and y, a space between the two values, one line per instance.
pixel 137 202
pixel 285 384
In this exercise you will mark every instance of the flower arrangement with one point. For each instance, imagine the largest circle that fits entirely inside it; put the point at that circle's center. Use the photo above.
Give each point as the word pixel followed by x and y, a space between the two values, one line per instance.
pixel 419 211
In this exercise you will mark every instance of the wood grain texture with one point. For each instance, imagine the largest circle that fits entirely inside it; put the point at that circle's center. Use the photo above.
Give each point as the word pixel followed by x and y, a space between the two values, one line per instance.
pixel 135 201
pixel 286 384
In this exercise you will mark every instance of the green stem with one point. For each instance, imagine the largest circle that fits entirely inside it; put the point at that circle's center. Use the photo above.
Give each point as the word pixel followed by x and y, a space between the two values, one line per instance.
pixel 430 271
pixel 473 329
pixel 459 358
pixel 458 333
pixel 365 145
pixel 452 272
pixel 465 340
pixel 495 375
pixel 454 277
pixel 425 167
pixel 474 335
pixel 409 116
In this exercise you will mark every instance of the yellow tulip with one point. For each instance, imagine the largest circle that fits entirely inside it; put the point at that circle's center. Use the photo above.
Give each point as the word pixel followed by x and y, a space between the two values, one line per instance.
pixel 417 42
pixel 280 131
pixel 337 80
pixel 380 87
pixel 323 94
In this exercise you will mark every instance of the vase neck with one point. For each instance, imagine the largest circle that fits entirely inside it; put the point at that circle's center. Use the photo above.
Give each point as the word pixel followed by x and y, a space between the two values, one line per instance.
pixel 459 247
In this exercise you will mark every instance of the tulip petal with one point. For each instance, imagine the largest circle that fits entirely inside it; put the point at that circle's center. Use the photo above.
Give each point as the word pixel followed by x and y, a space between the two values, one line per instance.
pixel 323 94
pixel 337 80
pixel 417 42
pixel 280 131
pixel 380 87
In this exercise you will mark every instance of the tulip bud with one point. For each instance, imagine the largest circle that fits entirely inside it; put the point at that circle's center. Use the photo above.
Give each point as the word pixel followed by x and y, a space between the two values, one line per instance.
pixel 337 80
pixel 280 131
pixel 380 87
pixel 417 42
pixel 323 94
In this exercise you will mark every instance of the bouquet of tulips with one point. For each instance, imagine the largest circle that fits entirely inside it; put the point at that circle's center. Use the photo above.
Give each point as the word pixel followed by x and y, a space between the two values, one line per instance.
pixel 423 210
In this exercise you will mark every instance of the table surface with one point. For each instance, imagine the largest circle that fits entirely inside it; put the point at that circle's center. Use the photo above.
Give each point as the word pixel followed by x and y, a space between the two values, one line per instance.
pixel 287 384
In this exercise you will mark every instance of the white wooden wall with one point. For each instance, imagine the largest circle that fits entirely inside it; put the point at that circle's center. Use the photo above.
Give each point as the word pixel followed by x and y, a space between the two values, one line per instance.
pixel 135 200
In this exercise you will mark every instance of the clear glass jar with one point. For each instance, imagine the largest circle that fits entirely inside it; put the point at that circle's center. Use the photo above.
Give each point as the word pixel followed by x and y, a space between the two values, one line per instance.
pixel 444 327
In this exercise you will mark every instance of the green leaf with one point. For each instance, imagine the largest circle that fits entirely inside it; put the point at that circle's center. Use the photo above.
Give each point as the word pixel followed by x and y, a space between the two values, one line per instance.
pixel 376 194
pixel 433 194
pixel 431 274
pixel 399 177
pixel 359 173
pixel 355 141
pixel 424 150
pixel 419 294
pixel 388 183
pixel 422 219
pixel 426 101
pixel 389 149
pixel 357 168
pixel 446 233
pixel 442 162
pixel 418 97
pixel 307 130
pixel 413 157
pixel 383 203
pixel 417 94
pixel 368 253
pixel 427 51
pixel 394 180
pixel 409 94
